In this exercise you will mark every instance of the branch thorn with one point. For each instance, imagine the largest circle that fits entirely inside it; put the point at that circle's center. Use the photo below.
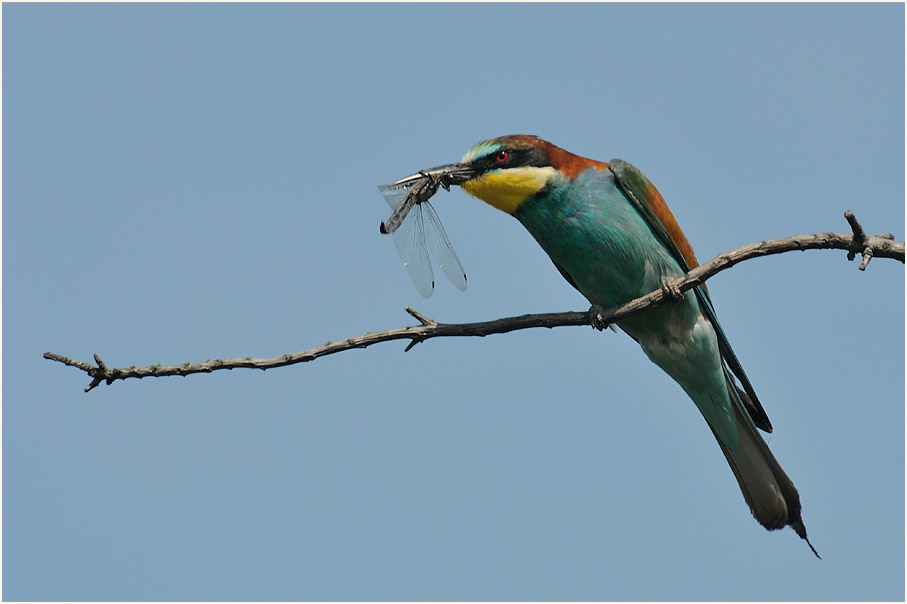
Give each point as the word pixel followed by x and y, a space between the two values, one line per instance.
pixel 859 235
pixel 867 256
pixel 422 318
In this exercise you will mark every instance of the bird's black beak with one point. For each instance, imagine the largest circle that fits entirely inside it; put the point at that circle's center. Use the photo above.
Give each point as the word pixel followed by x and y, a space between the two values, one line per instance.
pixel 445 176
pixel 453 174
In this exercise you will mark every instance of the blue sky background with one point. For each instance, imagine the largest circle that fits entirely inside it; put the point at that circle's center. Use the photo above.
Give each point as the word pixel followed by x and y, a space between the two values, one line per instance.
pixel 184 182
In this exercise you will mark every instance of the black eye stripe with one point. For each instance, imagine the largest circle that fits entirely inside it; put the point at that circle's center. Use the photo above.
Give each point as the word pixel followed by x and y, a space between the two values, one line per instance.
pixel 516 157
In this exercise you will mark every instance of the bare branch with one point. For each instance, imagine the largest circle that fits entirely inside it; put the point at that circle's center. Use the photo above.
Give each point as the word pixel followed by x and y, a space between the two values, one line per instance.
pixel 880 246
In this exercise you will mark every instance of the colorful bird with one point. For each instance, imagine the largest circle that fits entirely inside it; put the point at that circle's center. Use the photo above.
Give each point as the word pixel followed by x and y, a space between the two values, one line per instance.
pixel 610 234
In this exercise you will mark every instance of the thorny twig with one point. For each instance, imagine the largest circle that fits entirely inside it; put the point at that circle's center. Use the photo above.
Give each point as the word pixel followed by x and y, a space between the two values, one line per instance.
pixel 880 246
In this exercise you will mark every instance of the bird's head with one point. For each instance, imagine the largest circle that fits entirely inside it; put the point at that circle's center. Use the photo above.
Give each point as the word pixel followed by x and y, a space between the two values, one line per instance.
pixel 506 171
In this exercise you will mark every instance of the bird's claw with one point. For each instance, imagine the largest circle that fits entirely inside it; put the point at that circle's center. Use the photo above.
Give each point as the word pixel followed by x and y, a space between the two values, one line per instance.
pixel 670 288
pixel 596 318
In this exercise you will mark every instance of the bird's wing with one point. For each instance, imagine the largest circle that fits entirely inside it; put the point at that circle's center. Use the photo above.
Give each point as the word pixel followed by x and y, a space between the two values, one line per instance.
pixel 651 205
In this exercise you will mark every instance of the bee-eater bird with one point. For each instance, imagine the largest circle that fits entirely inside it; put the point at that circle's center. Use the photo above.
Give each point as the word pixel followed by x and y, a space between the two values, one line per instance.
pixel 610 234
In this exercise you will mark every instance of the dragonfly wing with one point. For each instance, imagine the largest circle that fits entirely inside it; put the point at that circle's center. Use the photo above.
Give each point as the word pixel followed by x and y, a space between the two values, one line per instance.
pixel 440 247
pixel 394 194
pixel 409 239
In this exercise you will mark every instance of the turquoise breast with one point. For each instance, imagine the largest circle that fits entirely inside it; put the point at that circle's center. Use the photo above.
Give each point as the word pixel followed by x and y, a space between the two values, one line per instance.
pixel 595 235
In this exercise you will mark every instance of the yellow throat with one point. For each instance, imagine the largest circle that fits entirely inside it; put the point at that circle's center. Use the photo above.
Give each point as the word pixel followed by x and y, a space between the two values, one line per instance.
pixel 507 189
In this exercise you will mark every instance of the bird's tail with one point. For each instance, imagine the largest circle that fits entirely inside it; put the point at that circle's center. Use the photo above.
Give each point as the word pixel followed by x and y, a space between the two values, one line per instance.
pixel 771 495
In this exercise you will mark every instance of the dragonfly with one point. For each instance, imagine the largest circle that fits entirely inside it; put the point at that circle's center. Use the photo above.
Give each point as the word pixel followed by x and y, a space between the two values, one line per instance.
pixel 417 229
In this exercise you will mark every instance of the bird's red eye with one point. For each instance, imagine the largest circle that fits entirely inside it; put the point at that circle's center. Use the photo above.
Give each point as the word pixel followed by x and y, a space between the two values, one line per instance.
pixel 502 156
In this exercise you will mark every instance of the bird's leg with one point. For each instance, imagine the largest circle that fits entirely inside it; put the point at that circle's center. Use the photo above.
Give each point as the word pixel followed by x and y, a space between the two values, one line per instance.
pixel 671 289
pixel 596 317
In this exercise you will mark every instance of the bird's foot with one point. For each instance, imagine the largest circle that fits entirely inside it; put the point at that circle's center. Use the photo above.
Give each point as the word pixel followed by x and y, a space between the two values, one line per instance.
pixel 671 289
pixel 596 317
